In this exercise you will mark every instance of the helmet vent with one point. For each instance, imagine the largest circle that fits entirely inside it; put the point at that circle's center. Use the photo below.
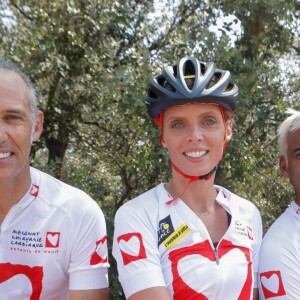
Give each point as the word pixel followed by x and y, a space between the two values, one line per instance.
pixel 229 87
pixel 216 77
pixel 189 74
pixel 202 68
pixel 175 70
pixel 163 82
pixel 152 94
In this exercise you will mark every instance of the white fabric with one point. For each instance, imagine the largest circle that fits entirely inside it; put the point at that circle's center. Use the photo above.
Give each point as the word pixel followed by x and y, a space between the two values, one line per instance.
pixel 159 244
pixel 52 240
pixel 280 258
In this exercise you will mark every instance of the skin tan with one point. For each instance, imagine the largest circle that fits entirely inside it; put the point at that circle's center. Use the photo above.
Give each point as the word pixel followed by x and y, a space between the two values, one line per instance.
pixel 17 132
pixel 187 129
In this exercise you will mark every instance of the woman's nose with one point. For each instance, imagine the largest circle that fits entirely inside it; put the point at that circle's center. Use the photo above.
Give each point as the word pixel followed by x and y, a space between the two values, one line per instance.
pixel 195 133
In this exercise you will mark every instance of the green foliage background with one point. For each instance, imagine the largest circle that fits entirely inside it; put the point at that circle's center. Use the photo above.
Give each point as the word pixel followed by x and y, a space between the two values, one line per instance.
pixel 91 59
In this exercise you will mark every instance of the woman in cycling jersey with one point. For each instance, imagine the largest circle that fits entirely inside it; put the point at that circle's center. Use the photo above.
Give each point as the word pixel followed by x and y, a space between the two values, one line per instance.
pixel 189 238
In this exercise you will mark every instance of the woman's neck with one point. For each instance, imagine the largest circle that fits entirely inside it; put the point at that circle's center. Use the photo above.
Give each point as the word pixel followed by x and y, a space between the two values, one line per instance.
pixel 200 195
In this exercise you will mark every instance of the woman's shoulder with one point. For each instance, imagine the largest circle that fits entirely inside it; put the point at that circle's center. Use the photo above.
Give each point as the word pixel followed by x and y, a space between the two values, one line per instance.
pixel 145 202
pixel 236 200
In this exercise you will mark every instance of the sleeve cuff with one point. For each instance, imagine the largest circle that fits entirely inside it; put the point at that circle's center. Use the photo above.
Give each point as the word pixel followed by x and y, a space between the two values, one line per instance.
pixel 89 280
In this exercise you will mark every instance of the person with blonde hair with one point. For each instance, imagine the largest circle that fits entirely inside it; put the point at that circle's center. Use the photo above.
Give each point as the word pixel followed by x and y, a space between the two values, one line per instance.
pixel 189 238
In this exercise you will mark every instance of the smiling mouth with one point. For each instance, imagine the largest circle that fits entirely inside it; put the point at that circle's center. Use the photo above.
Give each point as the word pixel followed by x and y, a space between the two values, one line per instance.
pixel 4 155
pixel 195 154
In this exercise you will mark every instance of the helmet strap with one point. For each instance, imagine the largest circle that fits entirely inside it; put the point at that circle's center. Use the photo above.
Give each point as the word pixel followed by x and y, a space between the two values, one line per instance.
pixel 159 122
pixel 191 179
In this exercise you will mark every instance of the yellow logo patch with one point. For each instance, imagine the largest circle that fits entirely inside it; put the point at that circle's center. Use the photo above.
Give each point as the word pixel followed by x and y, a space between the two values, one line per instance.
pixel 176 236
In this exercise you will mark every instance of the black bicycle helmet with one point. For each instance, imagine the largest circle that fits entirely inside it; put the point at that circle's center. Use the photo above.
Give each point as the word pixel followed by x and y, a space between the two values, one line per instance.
pixel 190 81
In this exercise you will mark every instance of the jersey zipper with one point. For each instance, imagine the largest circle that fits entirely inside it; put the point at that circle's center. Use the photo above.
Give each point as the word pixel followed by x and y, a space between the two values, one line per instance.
pixel 216 255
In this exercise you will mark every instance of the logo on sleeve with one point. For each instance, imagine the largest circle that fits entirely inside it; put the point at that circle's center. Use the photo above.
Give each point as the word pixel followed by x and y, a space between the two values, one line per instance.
pixel 100 254
pixel 52 239
pixel 272 284
pixel 132 247
pixel 165 229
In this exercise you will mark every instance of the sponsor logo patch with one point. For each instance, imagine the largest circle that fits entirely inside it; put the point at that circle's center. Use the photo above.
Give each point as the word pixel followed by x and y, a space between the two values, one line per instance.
pixel 176 236
pixel 242 230
pixel 165 229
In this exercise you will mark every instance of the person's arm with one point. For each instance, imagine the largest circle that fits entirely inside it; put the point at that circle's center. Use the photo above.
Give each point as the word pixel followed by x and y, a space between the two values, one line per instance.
pixel 137 254
pixel 88 267
pixel 255 294
pixel 160 293
pixel 100 294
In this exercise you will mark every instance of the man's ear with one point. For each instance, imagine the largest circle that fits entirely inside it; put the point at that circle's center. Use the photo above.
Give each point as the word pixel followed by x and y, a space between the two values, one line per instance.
pixel 38 127
pixel 283 167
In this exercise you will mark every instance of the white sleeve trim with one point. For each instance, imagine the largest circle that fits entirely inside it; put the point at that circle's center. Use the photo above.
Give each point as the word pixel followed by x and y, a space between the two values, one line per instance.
pixel 89 280
pixel 153 277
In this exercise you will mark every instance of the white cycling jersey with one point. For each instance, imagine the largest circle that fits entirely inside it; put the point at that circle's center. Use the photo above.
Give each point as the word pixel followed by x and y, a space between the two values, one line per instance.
pixel 160 244
pixel 280 258
pixel 52 241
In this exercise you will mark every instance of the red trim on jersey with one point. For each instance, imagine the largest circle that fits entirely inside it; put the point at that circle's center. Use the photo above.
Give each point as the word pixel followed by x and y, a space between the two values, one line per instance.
pixel 184 291
pixel 34 274
pixel 97 258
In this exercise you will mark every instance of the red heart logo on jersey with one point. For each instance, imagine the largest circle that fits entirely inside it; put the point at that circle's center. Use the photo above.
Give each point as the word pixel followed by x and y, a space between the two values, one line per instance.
pixel 201 255
pixel 272 284
pixel 132 247
pixel 100 254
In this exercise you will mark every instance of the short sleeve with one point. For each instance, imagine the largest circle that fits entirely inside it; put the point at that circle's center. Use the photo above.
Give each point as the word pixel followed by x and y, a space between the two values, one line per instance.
pixel 280 260
pixel 89 256
pixel 135 248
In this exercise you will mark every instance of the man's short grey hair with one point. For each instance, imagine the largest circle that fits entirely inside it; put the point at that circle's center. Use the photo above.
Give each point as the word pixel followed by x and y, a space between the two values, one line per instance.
pixel 290 124
pixel 32 98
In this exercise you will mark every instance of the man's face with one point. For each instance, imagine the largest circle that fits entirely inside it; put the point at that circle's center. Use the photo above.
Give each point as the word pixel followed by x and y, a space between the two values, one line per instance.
pixel 291 168
pixel 16 127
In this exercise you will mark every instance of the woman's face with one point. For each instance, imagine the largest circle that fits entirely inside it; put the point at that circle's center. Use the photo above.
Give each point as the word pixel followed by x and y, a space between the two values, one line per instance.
pixel 194 135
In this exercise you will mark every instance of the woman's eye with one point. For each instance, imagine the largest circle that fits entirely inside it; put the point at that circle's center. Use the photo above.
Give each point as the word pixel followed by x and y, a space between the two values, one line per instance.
pixel 209 122
pixel 176 125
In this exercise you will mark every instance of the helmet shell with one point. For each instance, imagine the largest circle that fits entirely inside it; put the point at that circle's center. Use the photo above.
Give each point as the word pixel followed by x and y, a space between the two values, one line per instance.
pixel 190 81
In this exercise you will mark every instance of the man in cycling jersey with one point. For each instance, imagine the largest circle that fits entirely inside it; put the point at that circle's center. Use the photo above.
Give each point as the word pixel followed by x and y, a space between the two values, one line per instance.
pixel 280 251
pixel 52 235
